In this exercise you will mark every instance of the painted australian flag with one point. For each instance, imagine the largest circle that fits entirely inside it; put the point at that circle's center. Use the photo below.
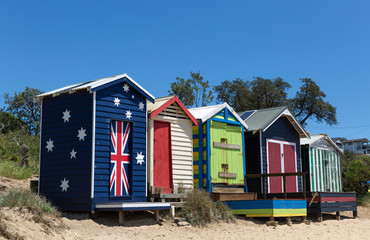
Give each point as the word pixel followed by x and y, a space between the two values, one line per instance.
pixel 120 158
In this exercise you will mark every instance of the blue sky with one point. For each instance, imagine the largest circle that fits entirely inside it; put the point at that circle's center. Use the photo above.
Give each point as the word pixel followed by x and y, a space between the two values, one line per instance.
pixel 50 44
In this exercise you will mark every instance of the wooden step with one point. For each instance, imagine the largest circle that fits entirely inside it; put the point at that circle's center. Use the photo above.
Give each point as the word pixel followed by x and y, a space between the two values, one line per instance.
pixel 233 196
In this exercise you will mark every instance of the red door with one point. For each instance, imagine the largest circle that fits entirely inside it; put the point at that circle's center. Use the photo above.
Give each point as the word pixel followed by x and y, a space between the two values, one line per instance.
pixel 162 157
pixel 274 165
pixel 290 166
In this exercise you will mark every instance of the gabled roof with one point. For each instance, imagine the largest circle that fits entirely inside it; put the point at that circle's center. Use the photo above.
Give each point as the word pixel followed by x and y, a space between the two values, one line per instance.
pixel 205 113
pixel 318 137
pixel 162 103
pixel 98 84
pixel 262 119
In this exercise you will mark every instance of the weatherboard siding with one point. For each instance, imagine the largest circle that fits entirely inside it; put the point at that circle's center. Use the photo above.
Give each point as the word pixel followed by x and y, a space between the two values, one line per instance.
pixel 106 111
pixel 57 164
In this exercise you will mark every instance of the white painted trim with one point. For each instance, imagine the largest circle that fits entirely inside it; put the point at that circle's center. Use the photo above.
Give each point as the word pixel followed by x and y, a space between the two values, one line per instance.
pixel 93 147
pixel 133 205
pixel 41 106
pixel 146 148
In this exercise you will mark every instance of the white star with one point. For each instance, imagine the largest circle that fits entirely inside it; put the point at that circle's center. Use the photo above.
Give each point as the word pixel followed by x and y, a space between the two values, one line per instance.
pixel 81 134
pixel 126 87
pixel 49 145
pixel 73 154
pixel 64 185
pixel 139 158
pixel 141 105
pixel 116 101
pixel 66 115
pixel 133 96
pixel 128 114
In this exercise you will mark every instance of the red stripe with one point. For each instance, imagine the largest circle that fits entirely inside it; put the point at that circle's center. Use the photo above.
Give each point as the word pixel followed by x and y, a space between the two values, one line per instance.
pixel 333 199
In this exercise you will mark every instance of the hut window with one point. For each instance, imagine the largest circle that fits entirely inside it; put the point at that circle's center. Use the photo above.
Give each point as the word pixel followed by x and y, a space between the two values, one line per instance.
pixel 223 140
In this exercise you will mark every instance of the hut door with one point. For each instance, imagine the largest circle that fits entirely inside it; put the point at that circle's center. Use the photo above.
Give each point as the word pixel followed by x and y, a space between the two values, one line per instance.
pixel 120 158
pixel 290 166
pixel 162 157
pixel 274 166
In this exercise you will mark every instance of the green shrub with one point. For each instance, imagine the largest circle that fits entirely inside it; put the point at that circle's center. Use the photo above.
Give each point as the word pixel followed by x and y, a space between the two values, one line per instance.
pixel 39 206
pixel 356 173
pixel 15 170
pixel 200 210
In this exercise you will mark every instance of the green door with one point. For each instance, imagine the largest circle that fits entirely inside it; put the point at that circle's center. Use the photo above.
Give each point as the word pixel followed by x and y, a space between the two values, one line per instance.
pixel 226 157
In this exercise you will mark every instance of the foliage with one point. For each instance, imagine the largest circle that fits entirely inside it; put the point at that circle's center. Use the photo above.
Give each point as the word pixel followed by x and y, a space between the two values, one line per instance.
pixel 199 210
pixel 8 122
pixel 364 200
pixel 237 93
pixel 24 108
pixel 15 170
pixel 309 103
pixel 356 173
pixel 193 91
pixel 39 206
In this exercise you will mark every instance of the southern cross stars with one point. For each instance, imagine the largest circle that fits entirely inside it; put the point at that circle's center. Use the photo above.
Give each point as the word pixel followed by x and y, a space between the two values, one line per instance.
pixel 141 105
pixel 81 134
pixel 126 87
pixel 64 185
pixel 66 115
pixel 116 101
pixel 73 153
pixel 128 114
pixel 50 145
pixel 139 158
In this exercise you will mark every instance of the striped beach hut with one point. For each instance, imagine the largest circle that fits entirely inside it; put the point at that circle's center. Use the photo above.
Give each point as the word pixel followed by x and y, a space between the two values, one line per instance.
pixel 93 144
pixel 272 145
pixel 218 141
pixel 170 145
pixel 322 160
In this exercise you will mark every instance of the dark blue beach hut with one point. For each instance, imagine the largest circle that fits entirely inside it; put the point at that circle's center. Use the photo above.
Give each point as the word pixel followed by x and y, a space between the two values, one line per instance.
pixel 93 144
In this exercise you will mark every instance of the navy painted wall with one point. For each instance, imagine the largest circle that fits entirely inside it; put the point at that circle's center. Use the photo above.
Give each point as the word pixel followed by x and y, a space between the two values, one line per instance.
pixel 283 130
pixel 57 164
pixel 106 111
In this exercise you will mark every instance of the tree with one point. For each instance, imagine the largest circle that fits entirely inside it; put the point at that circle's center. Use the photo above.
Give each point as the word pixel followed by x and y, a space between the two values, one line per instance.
pixel 192 91
pixel 22 106
pixel 267 93
pixel 183 90
pixel 309 103
pixel 236 93
pixel 9 123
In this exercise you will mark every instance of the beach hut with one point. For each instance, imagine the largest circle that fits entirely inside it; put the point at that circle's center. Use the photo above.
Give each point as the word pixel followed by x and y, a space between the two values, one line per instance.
pixel 170 145
pixel 272 145
pixel 93 145
pixel 321 159
pixel 218 141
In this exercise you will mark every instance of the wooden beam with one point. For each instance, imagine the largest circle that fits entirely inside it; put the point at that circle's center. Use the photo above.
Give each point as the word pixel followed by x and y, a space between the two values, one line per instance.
pixel 227 190
pixel 227 175
pixel 121 217
pixel 226 145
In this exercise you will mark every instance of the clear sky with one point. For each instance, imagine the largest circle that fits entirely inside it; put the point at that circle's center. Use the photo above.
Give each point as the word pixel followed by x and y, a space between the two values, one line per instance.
pixel 50 44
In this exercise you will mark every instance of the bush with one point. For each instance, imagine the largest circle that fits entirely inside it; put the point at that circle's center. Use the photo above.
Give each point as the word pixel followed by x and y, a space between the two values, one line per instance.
pixel 39 206
pixel 356 173
pixel 200 210
pixel 15 170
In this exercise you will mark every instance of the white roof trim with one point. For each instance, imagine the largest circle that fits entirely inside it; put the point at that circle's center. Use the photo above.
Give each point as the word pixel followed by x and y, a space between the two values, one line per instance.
pixel 325 137
pixel 286 112
pixel 216 109
pixel 90 85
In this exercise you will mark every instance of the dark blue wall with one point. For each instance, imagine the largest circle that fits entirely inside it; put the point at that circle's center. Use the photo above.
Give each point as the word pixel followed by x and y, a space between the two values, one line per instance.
pixel 253 160
pixel 105 112
pixel 57 164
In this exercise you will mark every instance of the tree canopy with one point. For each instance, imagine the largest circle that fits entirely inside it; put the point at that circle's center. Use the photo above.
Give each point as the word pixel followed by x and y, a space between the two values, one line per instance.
pixel 193 91
pixel 21 105
pixel 308 103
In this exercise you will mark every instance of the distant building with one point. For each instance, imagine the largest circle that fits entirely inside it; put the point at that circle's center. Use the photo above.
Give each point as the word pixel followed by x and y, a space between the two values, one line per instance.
pixel 357 146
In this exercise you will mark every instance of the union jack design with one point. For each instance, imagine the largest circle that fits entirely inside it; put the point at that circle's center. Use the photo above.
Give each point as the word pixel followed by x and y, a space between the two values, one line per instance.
pixel 120 158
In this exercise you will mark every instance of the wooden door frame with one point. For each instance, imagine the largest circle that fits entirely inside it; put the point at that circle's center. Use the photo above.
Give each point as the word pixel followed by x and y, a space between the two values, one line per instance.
pixel 281 142
pixel 170 151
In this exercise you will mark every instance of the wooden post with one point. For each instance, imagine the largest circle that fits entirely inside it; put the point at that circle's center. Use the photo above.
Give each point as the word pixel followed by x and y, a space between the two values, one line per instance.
pixel 173 211
pixel 319 217
pixel 272 218
pixel 93 214
pixel 337 215
pixel 264 187
pixel 121 217
pixel 284 182
pixel 156 215
pixel 354 214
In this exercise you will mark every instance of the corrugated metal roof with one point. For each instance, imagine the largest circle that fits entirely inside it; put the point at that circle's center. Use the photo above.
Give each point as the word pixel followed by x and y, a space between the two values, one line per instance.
pixel 91 85
pixel 262 119
pixel 316 138
pixel 205 113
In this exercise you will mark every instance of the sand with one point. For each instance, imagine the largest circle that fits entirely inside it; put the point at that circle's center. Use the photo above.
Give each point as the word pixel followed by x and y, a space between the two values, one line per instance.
pixel 141 225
